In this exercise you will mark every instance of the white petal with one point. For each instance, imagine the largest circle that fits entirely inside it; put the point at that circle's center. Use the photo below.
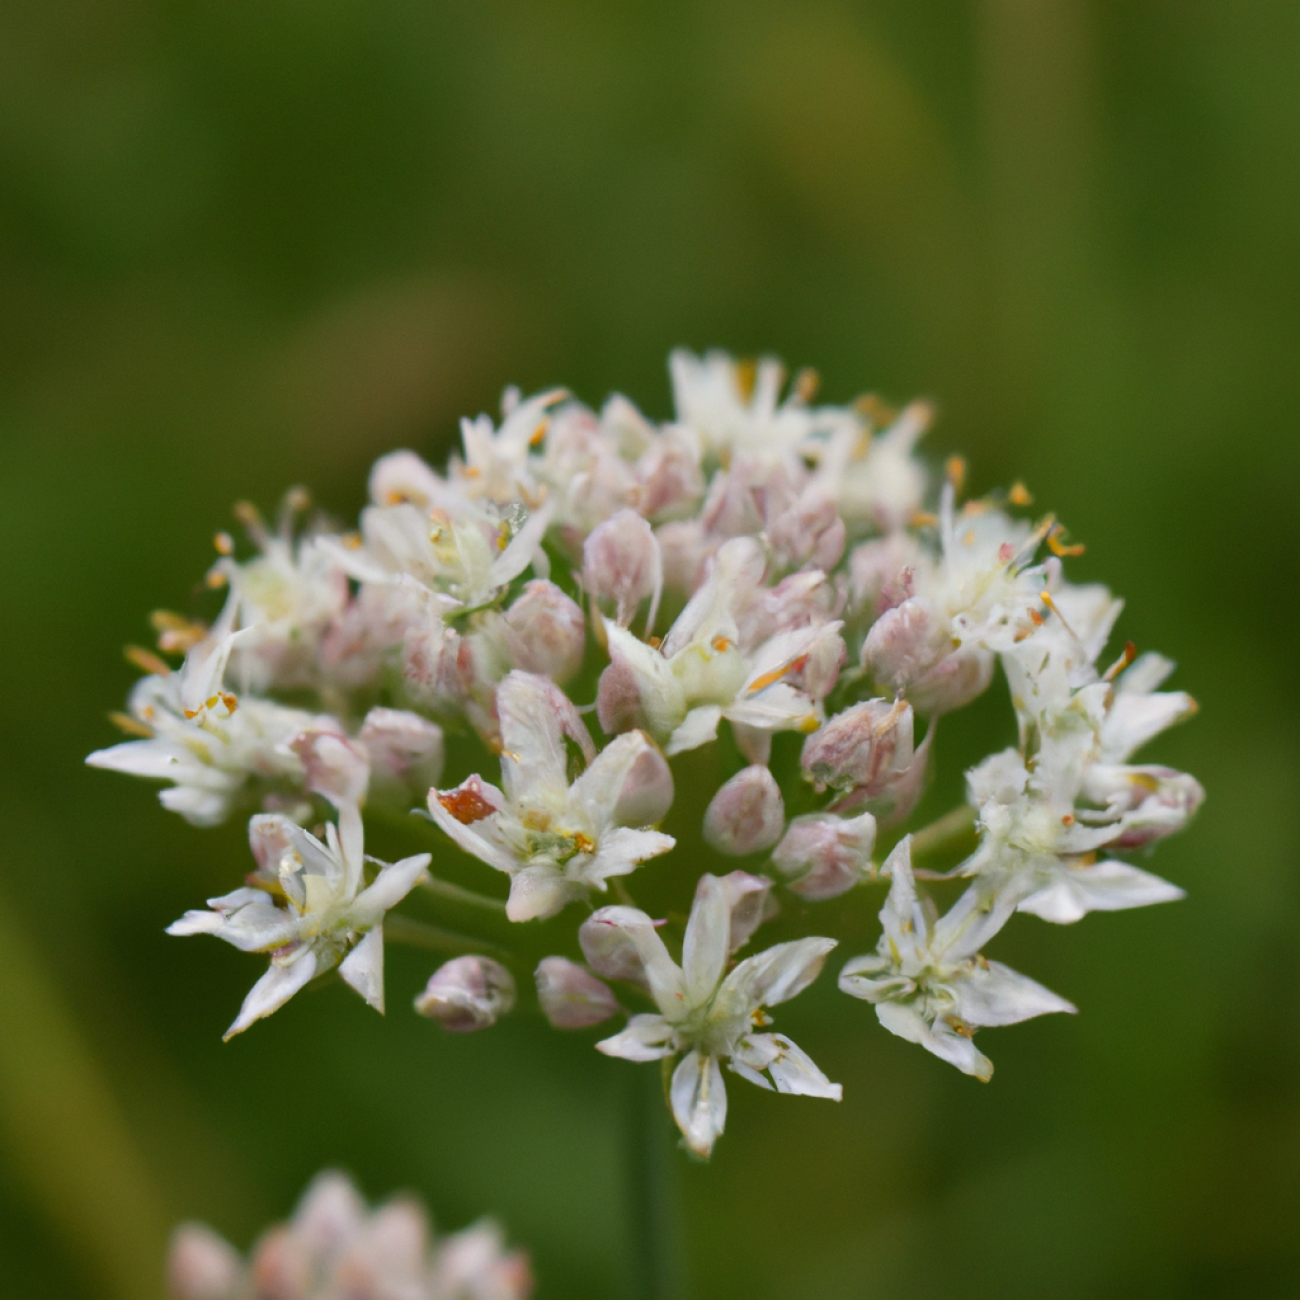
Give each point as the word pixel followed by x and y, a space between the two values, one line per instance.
pixel 597 791
pixel 157 759
pixel 792 1070
pixel 363 968
pixel 776 975
pixel 468 838
pixel 1108 886
pixel 608 945
pixel 273 990
pixel 394 882
pixel 537 892
pixel 536 716
pixel 705 947
pixel 778 708
pixel 699 727
pixel 699 1101
pixel 621 850
pixel 646 1038
pixel 660 695
pixel 940 1039
pixel 993 994
pixel 523 549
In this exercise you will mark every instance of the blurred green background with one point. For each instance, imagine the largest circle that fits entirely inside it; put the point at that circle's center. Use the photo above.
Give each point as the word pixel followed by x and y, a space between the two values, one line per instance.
pixel 249 244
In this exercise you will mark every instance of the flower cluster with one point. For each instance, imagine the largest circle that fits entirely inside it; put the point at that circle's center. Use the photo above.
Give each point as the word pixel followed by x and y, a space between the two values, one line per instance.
pixel 568 611
pixel 335 1247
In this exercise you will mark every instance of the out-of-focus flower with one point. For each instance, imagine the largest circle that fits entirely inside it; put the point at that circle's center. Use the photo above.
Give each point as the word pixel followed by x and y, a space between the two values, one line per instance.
pixel 334 1247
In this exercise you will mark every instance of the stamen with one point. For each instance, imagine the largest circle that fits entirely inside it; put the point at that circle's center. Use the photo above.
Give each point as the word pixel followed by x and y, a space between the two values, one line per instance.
pixel 806 384
pixel 224 543
pixel 955 468
pixel 1130 653
pixel 131 726
pixel 147 661
pixel 1019 495
pixel 1056 543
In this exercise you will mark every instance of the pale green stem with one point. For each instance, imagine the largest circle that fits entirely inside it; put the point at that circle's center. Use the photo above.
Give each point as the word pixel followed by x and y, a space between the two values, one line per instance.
pixel 658 1270
pixel 949 832
pixel 416 934
pixel 459 894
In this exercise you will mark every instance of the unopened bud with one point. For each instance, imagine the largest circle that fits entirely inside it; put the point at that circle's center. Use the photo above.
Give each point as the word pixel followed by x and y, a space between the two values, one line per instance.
pixel 550 633
pixel 467 993
pixel 823 855
pixel 746 815
pixel 404 748
pixel 621 562
pixel 201 1265
pixel 282 1266
pixel 334 767
pixel 904 644
pixel 571 997
pixel 1153 801
pixel 809 533
pixel 608 945
pixel 647 793
pixel 956 680
pixel 881 573
pixel 861 748
pixel 749 902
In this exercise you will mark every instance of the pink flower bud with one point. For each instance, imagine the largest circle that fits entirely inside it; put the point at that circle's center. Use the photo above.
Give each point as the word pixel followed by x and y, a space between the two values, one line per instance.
pixel 608 945
pixel 749 901
pixel 956 680
pixel 808 533
pixel 405 749
pixel 647 794
pixel 467 993
pixel 669 476
pixel 904 644
pixel 334 767
pixel 746 815
pixel 1153 801
pixel 881 573
pixel 621 563
pixel 823 855
pixel 862 748
pixel 282 1266
pixel 201 1265
pixel 549 632
pixel 571 997
pixel 618 698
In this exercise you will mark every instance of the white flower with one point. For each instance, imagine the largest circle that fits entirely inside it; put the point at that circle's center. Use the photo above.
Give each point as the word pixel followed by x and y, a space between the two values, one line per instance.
pixel 212 757
pixel 702 673
pixel 710 1015
pixel 323 917
pixel 927 980
pixel 556 835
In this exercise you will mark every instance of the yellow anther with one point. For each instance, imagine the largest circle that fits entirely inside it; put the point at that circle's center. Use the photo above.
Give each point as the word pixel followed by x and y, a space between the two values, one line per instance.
pixel 1056 543
pixel 147 661
pixel 721 644
pixel 224 543
pixel 131 726
pixel 216 578
pixel 955 469
pixel 1019 495
pixel 539 433
pixel 806 384
pixel 923 519
pixel 746 378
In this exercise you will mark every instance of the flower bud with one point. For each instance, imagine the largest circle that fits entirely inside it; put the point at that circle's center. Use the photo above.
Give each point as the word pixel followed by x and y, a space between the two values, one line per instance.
pixel 956 680
pixel 282 1266
pixel 334 767
pixel 571 997
pixel 904 644
pixel 475 1264
pixel 861 748
pixel 881 573
pixel 1153 801
pixel 823 855
pixel 808 533
pixel 749 902
pixel 201 1265
pixel 621 562
pixel 669 476
pixel 608 945
pixel 467 993
pixel 746 815
pixel 405 749
pixel 647 793
pixel 549 631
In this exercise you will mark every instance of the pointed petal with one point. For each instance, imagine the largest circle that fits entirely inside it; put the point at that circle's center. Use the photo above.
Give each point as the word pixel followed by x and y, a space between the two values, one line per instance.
pixel 536 716
pixel 273 990
pixel 994 994
pixel 623 849
pixel 1108 886
pixel 363 968
pixel 469 836
pixel 699 727
pixel 646 1038
pixel 595 794
pixel 523 548
pixel 793 1071
pixel 394 882
pixel 776 975
pixel 699 1101
pixel 705 948
pixel 941 1039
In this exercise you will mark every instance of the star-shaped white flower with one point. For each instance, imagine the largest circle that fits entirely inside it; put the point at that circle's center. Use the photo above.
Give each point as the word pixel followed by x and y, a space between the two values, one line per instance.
pixel 706 1013
pixel 927 980
pixel 557 835
pixel 308 910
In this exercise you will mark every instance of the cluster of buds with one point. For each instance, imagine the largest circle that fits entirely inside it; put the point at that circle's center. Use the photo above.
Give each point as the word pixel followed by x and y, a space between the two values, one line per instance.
pixel 825 599
pixel 335 1247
